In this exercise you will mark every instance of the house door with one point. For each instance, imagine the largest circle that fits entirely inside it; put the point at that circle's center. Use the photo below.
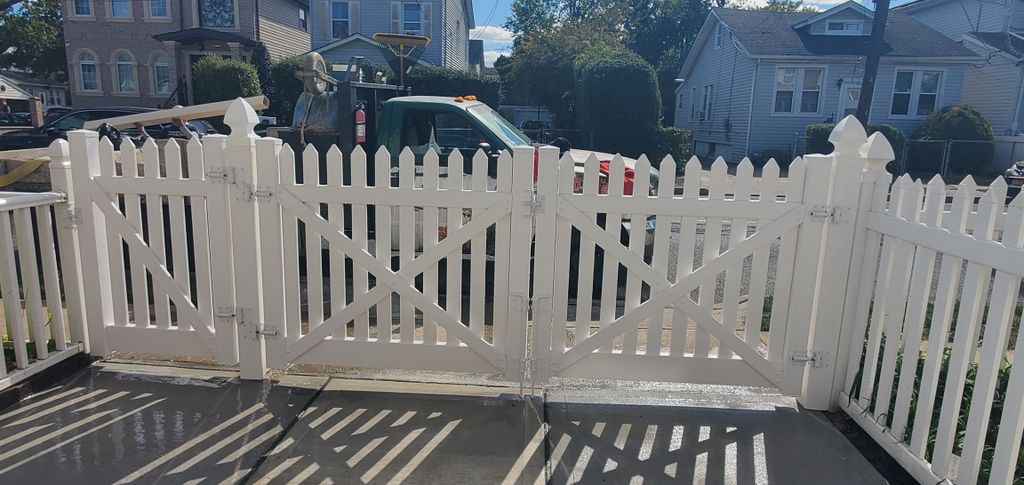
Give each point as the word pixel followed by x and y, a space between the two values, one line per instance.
pixel 850 96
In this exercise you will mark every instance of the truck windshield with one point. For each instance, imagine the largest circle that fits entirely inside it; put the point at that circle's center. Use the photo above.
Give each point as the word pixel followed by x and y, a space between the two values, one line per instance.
pixel 500 126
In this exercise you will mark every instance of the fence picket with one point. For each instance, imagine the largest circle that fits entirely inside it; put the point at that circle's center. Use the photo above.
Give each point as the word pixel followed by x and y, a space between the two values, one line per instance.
pixel 287 168
pixel 917 307
pixel 155 228
pixel 407 242
pixel 767 193
pixel 942 315
pixel 176 213
pixel 504 332
pixel 712 247
pixel 737 233
pixel 51 280
pixel 563 233
pixel 133 212
pixel 314 245
pixel 687 261
pixel 360 236
pixel 200 232
pixel 660 258
pixel 903 256
pixel 12 296
pixel 33 299
pixel 585 279
pixel 336 258
pixel 478 253
pixel 382 240
pixel 115 248
pixel 779 319
pixel 613 226
pixel 271 254
pixel 972 303
pixel 637 242
pixel 1005 290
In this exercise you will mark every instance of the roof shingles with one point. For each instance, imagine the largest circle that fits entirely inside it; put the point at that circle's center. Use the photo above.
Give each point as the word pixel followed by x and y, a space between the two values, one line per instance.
pixel 770 33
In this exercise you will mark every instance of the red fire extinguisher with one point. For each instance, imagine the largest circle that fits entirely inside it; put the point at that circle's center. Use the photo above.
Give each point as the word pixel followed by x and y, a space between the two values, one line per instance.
pixel 360 121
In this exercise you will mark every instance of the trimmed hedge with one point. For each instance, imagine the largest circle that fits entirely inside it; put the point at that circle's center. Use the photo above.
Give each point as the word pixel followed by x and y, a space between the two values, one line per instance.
pixel 443 81
pixel 618 103
pixel 219 79
pixel 960 122
pixel 285 88
pixel 817 137
pixel 672 141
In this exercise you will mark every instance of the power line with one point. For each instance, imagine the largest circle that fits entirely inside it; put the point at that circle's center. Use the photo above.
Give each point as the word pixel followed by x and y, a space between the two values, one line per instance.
pixel 487 22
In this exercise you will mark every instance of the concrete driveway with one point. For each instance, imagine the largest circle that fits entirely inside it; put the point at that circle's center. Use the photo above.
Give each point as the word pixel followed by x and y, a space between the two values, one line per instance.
pixel 127 423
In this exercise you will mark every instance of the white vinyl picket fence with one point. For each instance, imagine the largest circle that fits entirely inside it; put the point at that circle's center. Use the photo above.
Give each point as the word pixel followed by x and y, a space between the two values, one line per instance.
pixel 810 277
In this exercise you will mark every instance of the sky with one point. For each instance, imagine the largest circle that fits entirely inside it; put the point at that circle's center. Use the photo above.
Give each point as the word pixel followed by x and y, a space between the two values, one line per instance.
pixel 491 14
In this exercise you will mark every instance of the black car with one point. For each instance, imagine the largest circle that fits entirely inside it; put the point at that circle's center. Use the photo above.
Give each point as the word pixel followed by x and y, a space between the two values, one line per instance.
pixel 43 136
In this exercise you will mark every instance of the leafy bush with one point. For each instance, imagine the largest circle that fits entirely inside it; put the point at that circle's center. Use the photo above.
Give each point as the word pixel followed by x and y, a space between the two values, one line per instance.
pixel 618 104
pixel 672 141
pixel 285 88
pixel 960 122
pixel 219 79
pixel 817 137
pixel 444 81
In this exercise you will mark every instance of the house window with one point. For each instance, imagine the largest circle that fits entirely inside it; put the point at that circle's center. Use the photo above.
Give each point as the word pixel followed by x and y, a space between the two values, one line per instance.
pixel 411 19
pixel 120 8
pixel 915 93
pixel 798 88
pixel 844 28
pixel 705 104
pixel 720 34
pixel 340 20
pixel 124 69
pixel 158 8
pixel 693 103
pixel 217 13
pixel 161 74
pixel 83 8
pixel 87 69
pixel 302 19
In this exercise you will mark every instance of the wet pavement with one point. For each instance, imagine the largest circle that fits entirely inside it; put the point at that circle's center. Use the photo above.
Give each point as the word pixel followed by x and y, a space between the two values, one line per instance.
pixel 125 423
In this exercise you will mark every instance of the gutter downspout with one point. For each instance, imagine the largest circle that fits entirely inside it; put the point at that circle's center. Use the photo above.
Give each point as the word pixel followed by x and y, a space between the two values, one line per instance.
pixel 1017 107
pixel 750 113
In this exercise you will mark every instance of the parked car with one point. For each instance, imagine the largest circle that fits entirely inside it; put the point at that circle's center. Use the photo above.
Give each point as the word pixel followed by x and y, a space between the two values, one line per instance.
pixel 15 119
pixel 55 112
pixel 43 136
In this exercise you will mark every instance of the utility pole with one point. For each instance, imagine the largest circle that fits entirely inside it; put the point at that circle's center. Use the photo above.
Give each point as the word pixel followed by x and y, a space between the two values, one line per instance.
pixel 875 43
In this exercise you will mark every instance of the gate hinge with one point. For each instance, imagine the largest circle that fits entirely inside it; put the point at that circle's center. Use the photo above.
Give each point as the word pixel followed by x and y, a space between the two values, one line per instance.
pixel 535 204
pixel 74 216
pixel 832 213
pixel 814 357
pixel 225 175
pixel 259 193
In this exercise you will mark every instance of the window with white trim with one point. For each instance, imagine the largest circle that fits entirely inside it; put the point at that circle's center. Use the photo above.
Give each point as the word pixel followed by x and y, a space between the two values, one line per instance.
pixel 161 74
pixel 707 97
pixel 798 90
pixel 158 8
pixel 720 34
pixel 412 19
pixel 83 8
pixel 844 27
pixel 120 8
pixel 693 103
pixel 89 81
pixel 302 18
pixel 124 70
pixel 915 93
pixel 340 20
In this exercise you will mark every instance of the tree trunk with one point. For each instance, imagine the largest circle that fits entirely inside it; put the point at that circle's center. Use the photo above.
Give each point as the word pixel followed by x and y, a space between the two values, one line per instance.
pixel 875 43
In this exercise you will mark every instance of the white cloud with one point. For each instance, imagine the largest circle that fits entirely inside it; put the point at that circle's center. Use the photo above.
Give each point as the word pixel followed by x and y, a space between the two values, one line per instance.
pixel 492 33
pixel 490 57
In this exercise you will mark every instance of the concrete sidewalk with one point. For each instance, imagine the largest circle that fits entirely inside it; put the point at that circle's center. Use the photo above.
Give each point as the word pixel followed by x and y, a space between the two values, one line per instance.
pixel 121 423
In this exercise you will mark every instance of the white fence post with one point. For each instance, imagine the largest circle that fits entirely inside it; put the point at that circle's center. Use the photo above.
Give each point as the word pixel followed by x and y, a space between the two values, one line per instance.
pixel 240 157
pixel 803 299
pixel 841 234
pixel 521 232
pixel 98 306
pixel 67 239
pixel 544 262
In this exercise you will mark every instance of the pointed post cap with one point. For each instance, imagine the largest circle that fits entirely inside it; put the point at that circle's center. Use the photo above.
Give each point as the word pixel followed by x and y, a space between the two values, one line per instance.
pixel 848 135
pixel 60 154
pixel 241 118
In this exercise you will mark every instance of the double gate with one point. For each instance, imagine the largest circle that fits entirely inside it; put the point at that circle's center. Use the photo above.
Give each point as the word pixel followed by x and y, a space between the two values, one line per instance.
pixel 237 249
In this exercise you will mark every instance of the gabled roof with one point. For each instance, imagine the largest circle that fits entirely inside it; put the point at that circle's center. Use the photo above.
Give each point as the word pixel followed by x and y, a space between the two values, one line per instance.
pixel 357 37
pixel 29 79
pixel 849 5
pixel 1008 43
pixel 10 90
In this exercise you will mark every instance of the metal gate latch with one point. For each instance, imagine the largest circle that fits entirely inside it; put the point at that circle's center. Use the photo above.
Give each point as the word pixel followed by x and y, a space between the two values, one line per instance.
pixel 833 214
pixel 813 357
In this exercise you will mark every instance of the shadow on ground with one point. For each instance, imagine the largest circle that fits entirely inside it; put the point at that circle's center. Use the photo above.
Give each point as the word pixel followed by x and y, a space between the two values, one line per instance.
pixel 137 424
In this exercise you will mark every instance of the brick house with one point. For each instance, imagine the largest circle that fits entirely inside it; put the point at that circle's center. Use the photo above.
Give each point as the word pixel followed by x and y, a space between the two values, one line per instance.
pixel 139 52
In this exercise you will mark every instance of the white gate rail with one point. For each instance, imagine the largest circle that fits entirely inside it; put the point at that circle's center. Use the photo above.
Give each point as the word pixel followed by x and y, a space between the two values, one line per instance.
pixel 39 279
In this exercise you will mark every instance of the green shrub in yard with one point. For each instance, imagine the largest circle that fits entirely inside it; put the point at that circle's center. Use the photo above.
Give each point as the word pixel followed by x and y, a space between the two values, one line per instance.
pixel 219 79
pixel 445 81
pixel 672 141
pixel 817 137
pixel 960 122
pixel 285 88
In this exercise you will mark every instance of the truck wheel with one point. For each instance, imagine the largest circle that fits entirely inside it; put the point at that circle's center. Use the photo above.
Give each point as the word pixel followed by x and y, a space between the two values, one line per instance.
pixel 314 62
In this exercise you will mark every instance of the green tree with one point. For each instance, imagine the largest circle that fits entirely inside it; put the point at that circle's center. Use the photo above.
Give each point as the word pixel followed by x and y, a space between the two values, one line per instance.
pixel 219 79
pixel 285 88
pixel 33 30
pixel 777 6
pixel 530 16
